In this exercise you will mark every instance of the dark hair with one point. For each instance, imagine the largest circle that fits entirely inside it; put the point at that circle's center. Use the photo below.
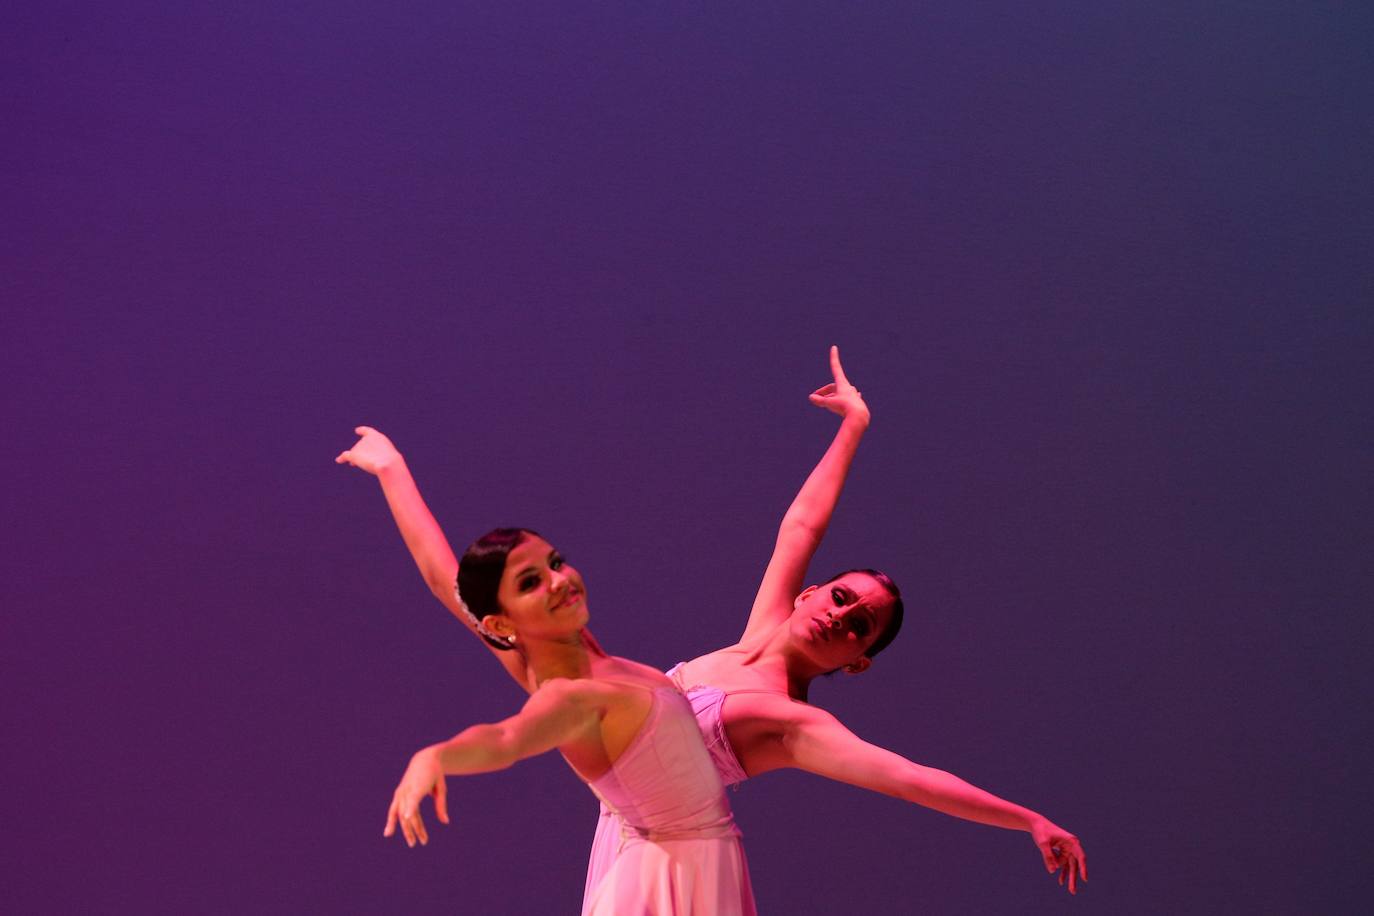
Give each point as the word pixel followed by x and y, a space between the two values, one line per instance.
pixel 894 622
pixel 480 570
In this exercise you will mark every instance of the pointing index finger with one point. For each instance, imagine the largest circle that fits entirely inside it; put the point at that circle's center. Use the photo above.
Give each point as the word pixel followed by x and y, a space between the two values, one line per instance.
pixel 835 368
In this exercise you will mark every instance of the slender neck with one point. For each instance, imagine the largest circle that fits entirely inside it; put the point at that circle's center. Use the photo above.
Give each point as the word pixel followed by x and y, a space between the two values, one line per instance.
pixel 779 659
pixel 570 657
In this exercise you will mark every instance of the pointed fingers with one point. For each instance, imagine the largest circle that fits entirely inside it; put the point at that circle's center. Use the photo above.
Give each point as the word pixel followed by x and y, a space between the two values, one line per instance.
pixel 363 430
pixel 420 828
pixel 344 458
pixel 441 801
pixel 835 368
pixel 390 827
pixel 406 809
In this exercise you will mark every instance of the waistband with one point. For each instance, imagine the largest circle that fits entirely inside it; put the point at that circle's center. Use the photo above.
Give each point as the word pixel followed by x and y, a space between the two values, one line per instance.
pixel 727 830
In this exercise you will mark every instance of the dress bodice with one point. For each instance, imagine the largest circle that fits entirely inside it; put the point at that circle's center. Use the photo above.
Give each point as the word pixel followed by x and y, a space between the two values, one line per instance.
pixel 664 784
pixel 707 703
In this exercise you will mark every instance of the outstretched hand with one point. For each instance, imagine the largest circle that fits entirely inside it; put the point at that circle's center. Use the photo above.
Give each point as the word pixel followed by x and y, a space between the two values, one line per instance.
pixel 840 396
pixel 424 776
pixel 1062 853
pixel 371 453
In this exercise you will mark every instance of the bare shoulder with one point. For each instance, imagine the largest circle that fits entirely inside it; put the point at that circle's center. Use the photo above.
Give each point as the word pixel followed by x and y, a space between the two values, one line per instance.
pixel 582 691
pixel 612 687
pixel 625 669
pixel 726 668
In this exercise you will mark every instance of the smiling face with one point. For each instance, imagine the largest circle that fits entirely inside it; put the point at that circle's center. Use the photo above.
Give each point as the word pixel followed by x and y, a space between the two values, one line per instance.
pixel 540 595
pixel 834 624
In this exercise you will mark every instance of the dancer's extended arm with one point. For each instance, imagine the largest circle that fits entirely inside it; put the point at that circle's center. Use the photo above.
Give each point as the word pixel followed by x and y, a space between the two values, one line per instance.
pixel 811 739
pixel 554 713
pixel 375 454
pixel 804 525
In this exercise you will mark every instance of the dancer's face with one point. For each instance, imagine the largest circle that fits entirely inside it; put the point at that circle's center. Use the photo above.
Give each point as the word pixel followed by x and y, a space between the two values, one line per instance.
pixel 834 624
pixel 541 596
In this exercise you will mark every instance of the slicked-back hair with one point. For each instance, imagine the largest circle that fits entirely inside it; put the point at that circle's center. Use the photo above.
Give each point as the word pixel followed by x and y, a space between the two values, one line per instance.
pixel 480 571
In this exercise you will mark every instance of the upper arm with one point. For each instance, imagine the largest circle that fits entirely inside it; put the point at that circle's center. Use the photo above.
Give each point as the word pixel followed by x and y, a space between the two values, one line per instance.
pixel 802 528
pixel 782 580
pixel 554 714
pixel 815 741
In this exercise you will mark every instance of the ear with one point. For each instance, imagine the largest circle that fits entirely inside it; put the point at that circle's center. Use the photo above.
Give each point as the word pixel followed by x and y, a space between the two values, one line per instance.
pixel 859 665
pixel 499 625
pixel 805 593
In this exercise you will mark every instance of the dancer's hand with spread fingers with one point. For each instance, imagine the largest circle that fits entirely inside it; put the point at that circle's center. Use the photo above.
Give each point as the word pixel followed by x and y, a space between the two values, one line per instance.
pixel 1062 853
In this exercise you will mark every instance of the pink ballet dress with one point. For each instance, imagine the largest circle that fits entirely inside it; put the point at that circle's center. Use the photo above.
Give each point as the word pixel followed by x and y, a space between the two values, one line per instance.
pixel 674 849
pixel 705 703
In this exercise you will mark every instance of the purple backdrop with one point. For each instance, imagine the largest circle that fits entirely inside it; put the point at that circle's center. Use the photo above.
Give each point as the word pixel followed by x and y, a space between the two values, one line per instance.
pixel 1103 272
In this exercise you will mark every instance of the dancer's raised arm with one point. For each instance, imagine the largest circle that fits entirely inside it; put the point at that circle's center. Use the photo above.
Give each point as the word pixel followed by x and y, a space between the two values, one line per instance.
pixel 792 734
pixel 375 454
pixel 809 515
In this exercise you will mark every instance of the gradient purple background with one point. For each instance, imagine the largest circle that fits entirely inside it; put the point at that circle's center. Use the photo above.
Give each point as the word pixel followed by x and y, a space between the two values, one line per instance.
pixel 1102 270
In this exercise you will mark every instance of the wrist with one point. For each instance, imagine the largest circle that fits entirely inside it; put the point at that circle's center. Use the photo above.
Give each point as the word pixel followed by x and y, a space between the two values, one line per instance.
pixel 393 466
pixel 429 759
pixel 857 420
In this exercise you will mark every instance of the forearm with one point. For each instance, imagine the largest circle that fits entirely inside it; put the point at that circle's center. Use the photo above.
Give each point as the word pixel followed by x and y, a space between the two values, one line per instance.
pixel 422 535
pixel 818 743
pixel 479 749
pixel 951 795
pixel 553 714
pixel 815 501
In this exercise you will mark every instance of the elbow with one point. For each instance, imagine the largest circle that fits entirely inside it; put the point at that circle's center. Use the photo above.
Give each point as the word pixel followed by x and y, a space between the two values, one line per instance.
pixel 443 584
pixel 496 747
pixel 797 529
pixel 440 588
pixel 500 744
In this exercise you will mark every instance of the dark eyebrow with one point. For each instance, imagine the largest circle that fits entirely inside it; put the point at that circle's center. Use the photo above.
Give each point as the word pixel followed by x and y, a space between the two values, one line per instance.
pixel 868 610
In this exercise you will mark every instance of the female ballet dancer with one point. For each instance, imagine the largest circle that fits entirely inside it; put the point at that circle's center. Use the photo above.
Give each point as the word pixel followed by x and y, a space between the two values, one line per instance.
pixel 624 728
pixel 750 697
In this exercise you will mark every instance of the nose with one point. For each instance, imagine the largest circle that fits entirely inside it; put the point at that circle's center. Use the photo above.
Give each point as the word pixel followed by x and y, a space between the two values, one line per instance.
pixel 559 582
pixel 832 621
